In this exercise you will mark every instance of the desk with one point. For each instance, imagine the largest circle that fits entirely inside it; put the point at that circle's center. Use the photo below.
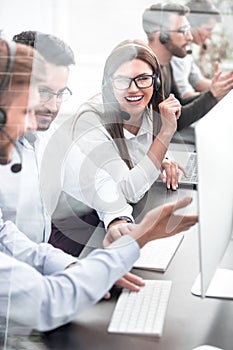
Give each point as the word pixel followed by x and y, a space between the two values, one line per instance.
pixel 190 321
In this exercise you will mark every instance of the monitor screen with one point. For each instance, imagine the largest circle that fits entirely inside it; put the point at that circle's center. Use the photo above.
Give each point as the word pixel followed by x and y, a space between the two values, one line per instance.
pixel 214 145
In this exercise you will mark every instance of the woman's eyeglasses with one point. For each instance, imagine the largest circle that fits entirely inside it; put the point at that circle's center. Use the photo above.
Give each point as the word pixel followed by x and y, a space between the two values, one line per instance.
pixel 143 81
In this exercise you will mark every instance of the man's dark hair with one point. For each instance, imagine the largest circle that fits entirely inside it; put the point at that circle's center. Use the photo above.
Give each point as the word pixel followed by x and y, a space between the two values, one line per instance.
pixel 53 49
pixel 201 12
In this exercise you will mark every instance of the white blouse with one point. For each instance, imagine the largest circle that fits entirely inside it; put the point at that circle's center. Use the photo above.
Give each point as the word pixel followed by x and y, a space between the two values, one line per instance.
pixel 98 145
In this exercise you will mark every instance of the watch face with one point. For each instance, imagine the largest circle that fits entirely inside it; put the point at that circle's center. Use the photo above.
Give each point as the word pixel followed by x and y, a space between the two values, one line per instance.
pixel 125 218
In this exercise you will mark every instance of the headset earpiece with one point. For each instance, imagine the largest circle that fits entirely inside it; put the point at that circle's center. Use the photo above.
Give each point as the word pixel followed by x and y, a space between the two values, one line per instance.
pixel 2 118
pixel 163 37
pixel 157 84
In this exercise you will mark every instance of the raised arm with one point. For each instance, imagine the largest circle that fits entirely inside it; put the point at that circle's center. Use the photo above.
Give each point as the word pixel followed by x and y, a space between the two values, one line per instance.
pixel 159 222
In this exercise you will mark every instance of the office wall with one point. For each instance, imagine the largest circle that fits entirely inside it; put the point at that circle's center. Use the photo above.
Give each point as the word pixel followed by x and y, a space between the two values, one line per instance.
pixel 91 27
pixel 19 15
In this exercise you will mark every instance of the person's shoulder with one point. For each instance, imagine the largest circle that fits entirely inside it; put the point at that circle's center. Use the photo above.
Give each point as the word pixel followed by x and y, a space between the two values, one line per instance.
pixel 181 61
pixel 95 102
pixel 90 111
pixel 176 59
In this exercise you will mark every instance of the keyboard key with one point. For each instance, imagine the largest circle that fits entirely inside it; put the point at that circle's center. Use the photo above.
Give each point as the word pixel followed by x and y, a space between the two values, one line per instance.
pixel 191 170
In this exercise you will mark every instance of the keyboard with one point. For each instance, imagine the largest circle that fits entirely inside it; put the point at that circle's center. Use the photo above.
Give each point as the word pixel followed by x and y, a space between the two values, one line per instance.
pixel 189 161
pixel 142 312
pixel 157 255
pixel 191 170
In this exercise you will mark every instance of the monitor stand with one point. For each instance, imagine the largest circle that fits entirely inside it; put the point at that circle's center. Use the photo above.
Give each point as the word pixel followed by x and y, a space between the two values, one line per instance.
pixel 221 285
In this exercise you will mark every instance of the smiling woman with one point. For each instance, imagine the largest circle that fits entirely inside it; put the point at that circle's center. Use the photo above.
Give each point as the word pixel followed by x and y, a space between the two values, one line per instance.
pixel 126 130
pixel 133 94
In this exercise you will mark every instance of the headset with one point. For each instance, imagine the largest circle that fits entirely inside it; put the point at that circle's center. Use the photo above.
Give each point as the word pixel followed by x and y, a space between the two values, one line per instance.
pixel 2 118
pixel 11 56
pixel 149 22
pixel 164 35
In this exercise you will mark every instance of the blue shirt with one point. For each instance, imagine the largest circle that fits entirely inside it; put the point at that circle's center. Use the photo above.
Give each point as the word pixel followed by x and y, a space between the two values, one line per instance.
pixel 36 289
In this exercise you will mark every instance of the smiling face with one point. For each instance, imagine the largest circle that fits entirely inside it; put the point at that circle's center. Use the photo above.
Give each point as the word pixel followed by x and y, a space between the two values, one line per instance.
pixel 133 100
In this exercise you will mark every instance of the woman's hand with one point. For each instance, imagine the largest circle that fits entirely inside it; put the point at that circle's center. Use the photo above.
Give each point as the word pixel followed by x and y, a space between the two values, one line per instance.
pixel 170 111
pixel 171 176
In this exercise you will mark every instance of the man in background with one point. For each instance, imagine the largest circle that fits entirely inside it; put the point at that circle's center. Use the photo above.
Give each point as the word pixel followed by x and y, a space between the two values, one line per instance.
pixel 169 34
pixel 203 18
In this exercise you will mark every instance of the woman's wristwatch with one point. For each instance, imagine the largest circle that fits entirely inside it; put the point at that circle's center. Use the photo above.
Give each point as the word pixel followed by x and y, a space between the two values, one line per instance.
pixel 121 218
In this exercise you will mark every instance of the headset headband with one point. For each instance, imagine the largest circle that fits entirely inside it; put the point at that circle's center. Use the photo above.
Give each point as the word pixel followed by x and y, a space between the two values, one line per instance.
pixel 142 47
pixel 137 45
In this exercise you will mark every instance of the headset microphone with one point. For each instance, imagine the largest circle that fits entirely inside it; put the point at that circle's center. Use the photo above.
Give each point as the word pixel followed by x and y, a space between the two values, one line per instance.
pixel 17 167
pixel 203 45
pixel 125 115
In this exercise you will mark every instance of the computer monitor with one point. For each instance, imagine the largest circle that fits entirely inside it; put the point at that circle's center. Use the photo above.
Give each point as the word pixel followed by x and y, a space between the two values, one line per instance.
pixel 214 144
